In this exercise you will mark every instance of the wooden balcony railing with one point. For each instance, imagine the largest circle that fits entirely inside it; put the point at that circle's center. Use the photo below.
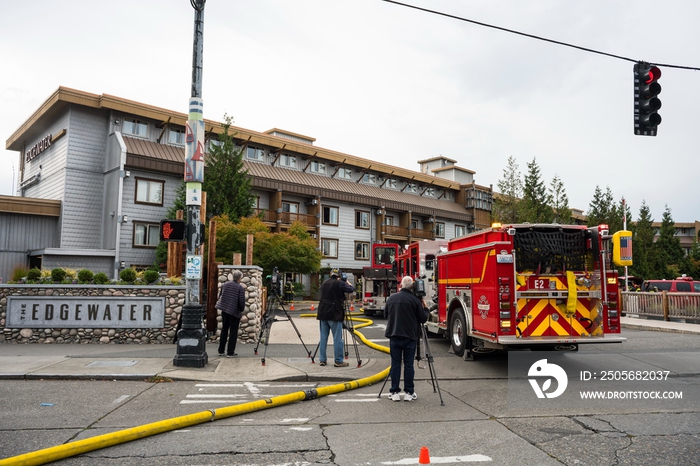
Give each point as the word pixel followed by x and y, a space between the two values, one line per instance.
pixel 422 234
pixel 286 218
pixel 392 230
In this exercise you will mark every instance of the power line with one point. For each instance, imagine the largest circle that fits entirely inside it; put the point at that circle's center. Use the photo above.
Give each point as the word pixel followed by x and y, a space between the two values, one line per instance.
pixel 532 36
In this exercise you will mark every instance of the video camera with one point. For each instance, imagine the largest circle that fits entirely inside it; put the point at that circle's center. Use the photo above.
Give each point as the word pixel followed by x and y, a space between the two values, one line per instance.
pixel 275 282
pixel 418 288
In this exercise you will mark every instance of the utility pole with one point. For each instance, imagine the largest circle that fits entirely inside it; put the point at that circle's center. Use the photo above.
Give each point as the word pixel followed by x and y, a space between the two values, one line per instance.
pixel 192 338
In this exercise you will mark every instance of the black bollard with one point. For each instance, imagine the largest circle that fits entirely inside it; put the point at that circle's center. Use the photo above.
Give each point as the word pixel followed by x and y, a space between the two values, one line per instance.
pixel 191 338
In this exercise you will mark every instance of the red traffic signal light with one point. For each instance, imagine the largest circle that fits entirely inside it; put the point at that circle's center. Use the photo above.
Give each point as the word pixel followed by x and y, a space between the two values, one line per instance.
pixel 173 230
pixel 646 101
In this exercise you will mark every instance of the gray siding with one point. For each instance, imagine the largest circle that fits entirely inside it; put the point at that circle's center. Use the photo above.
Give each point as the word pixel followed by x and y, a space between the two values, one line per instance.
pixel 50 163
pixel 21 233
pixel 82 202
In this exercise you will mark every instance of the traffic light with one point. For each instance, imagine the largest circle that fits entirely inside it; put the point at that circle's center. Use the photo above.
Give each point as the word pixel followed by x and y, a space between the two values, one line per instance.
pixel 646 102
pixel 173 230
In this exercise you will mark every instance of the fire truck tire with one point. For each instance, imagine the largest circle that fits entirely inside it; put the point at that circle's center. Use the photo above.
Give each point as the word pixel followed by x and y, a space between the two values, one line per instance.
pixel 458 332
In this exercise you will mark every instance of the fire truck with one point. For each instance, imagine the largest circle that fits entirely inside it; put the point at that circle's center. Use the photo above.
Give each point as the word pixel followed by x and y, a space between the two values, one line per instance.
pixel 379 280
pixel 536 286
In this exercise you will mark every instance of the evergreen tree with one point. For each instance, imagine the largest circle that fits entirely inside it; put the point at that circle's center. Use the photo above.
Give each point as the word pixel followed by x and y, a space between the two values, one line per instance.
pixel 226 180
pixel 601 209
pixel 560 202
pixel 536 201
pixel 668 247
pixel 618 214
pixel 643 245
pixel 506 206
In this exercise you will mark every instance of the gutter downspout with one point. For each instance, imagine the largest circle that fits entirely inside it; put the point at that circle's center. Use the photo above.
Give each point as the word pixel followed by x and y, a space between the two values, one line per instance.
pixel 120 195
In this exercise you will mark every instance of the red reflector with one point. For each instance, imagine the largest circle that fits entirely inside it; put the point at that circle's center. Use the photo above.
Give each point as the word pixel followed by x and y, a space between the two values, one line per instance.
pixel 505 296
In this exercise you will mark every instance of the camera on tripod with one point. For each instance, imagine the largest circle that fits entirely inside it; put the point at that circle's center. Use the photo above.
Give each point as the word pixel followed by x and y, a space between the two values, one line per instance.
pixel 419 288
pixel 275 282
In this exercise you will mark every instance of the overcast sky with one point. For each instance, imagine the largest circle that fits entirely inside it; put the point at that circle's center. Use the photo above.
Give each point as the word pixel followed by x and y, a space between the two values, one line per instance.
pixel 385 82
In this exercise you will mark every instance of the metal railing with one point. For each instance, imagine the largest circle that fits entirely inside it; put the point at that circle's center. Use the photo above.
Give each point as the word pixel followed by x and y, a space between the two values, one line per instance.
pixel 665 305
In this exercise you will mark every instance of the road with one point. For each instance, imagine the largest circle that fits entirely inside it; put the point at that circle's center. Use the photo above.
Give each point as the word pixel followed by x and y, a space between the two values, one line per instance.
pixel 480 422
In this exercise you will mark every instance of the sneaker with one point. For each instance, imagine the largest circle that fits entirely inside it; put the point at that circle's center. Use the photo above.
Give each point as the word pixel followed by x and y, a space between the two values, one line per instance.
pixel 340 364
pixel 410 396
pixel 232 355
pixel 222 354
pixel 395 396
pixel 322 363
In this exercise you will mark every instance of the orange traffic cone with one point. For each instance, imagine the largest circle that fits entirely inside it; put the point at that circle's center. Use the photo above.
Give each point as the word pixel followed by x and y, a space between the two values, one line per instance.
pixel 424 457
pixel 352 308
pixel 292 307
pixel 312 307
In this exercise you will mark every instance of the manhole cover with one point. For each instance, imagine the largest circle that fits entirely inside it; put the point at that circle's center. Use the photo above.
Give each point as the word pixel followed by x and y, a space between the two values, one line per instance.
pixel 112 363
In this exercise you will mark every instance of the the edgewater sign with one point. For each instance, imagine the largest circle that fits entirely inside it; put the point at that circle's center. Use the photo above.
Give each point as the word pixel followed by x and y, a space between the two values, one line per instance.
pixel 84 312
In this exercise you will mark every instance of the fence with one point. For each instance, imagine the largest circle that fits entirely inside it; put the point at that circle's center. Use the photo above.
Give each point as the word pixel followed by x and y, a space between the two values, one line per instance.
pixel 665 305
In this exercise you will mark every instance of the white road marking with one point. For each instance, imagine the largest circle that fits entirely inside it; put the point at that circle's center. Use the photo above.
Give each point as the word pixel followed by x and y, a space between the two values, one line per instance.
pixel 301 428
pixel 443 459
pixel 296 419
pixel 120 399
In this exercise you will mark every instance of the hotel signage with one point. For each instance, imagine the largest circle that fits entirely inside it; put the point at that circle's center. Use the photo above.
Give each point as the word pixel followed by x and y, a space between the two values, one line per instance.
pixel 84 312
pixel 38 148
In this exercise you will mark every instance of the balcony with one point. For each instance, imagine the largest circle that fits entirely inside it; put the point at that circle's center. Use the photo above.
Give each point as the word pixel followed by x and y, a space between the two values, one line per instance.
pixel 286 218
pixel 421 234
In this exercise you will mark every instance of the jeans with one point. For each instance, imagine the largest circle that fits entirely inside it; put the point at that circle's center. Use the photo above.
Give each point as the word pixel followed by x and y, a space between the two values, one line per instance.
pixel 402 348
pixel 336 328
pixel 229 331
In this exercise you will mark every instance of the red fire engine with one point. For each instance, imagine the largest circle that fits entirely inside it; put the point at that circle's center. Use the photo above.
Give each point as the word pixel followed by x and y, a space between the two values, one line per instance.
pixel 538 286
pixel 379 280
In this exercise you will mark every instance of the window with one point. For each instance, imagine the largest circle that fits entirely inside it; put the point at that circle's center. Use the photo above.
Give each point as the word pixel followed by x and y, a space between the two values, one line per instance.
pixel 135 127
pixel 287 160
pixel 345 173
pixel 414 224
pixel 214 142
pixel 330 215
pixel 329 247
pixel 411 187
pixel 440 230
pixel 430 192
pixel 149 191
pixel 176 136
pixel 292 207
pixel 146 234
pixel 369 178
pixel 361 250
pixel 388 220
pixel 253 153
pixel 391 183
pixel 318 167
pixel 362 219
pixel 460 230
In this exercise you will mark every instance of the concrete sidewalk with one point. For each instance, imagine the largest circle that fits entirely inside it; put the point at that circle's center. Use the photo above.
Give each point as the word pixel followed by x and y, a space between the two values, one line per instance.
pixel 288 357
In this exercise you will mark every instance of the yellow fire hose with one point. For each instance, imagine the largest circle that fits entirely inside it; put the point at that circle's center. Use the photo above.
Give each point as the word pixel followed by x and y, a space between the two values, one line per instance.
pixel 146 430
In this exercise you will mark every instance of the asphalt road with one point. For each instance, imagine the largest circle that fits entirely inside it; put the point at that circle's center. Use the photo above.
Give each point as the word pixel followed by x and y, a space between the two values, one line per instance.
pixel 481 421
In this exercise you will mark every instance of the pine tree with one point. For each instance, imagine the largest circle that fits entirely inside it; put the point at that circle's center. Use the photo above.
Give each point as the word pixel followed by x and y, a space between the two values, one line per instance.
pixel 560 201
pixel 601 209
pixel 643 245
pixel 226 180
pixel 668 247
pixel 536 201
pixel 506 207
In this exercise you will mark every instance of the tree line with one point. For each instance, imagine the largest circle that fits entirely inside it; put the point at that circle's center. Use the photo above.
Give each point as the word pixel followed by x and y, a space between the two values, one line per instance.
pixel 529 200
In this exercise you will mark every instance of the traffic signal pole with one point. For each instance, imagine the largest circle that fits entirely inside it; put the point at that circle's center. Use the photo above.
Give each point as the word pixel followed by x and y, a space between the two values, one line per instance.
pixel 191 337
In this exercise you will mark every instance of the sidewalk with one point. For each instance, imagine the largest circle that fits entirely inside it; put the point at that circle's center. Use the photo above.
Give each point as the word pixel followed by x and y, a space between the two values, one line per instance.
pixel 286 358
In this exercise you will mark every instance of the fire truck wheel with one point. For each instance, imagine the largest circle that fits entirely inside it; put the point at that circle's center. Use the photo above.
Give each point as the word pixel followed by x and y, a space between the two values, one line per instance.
pixel 458 332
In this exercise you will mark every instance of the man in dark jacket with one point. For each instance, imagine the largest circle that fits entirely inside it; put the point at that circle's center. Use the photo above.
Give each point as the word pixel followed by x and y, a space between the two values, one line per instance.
pixel 405 314
pixel 331 313
pixel 232 305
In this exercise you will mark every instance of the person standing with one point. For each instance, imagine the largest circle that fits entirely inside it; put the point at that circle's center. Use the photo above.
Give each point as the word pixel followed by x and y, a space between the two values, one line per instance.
pixel 331 313
pixel 405 314
pixel 232 304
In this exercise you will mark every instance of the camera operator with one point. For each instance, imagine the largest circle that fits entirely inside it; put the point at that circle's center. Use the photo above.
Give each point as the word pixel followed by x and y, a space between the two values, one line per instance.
pixel 405 314
pixel 331 313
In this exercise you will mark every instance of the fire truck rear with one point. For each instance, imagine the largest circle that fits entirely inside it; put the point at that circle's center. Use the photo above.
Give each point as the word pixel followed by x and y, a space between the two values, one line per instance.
pixel 379 280
pixel 537 286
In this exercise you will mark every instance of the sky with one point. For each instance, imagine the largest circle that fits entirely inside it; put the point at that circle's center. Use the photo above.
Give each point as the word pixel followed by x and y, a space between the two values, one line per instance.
pixel 386 82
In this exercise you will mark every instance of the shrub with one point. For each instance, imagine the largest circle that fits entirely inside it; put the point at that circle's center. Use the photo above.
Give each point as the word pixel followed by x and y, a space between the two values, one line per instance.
pixel 101 278
pixel 34 274
pixel 57 275
pixel 85 276
pixel 128 275
pixel 151 276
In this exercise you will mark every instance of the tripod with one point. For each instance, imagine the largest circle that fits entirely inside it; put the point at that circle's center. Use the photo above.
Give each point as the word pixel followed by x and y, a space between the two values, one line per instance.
pixel 419 358
pixel 269 318
pixel 348 328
